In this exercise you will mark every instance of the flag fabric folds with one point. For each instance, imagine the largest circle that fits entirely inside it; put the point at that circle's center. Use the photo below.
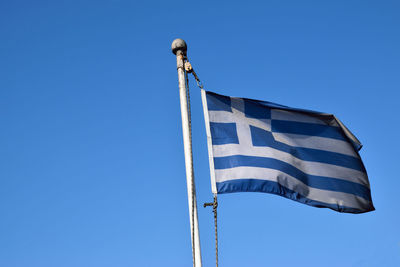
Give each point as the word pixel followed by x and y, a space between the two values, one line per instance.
pixel 303 155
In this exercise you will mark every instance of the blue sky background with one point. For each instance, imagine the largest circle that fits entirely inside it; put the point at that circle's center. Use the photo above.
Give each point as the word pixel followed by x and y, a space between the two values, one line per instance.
pixel 91 153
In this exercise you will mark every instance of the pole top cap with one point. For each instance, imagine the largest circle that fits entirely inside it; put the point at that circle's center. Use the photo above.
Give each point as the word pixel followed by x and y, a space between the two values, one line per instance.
pixel 179 45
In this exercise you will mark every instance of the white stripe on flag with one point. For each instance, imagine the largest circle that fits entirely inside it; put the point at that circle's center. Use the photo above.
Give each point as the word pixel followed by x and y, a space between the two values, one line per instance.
pixel 226 117
pixel 209 142
pixel 315 142
pixel 326 196
pixel 309 167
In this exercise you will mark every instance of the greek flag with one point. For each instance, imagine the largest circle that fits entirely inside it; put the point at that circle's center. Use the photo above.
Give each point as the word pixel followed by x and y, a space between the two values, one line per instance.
pixel 303 155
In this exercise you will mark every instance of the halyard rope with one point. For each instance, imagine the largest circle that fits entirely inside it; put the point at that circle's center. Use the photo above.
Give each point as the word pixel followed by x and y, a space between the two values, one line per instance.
pixel 192 185
pixel 215 206
pixel 188 69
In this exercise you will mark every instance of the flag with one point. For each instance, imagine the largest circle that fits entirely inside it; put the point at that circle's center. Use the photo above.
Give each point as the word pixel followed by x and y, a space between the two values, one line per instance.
pixel 303 155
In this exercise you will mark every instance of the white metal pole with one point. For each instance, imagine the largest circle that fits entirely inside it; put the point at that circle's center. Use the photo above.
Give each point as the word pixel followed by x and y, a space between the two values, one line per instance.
pixel 179 48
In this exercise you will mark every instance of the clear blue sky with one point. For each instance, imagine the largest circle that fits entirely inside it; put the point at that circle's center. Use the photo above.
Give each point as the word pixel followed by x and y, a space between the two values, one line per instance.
pixel 91 154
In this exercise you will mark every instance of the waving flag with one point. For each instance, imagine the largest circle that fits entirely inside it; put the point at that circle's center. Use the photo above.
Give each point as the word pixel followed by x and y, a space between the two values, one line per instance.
pixel 306 156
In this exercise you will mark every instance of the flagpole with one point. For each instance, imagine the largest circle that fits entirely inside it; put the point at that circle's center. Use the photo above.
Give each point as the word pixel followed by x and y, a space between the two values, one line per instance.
pixel 179 48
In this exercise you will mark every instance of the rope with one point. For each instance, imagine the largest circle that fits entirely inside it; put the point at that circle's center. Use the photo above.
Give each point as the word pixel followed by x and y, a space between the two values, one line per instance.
pixel 189 69
pixel 199 83
pixel 215 206
pixel 192 185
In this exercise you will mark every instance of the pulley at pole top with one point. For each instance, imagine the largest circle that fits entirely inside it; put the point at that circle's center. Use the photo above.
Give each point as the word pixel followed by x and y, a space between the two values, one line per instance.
pixel 179 48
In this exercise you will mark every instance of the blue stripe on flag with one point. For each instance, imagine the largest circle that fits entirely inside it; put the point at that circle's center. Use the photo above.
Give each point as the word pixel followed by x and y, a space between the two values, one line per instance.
pixel 294 127
pixel 320 182
pixel 261 137
pixel 253 109
pixel 255 185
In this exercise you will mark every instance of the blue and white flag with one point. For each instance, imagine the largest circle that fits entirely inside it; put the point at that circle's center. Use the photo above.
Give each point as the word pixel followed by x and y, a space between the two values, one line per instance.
pixel 306 156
